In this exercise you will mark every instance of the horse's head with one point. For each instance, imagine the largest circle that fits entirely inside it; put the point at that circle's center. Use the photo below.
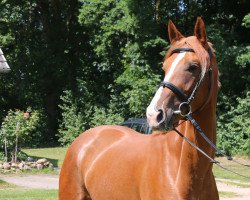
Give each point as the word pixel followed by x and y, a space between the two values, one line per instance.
pixel 187 82
pixel 4 67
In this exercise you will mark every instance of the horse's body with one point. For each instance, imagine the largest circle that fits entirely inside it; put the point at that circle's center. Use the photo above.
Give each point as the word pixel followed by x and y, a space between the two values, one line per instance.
pixel 117 163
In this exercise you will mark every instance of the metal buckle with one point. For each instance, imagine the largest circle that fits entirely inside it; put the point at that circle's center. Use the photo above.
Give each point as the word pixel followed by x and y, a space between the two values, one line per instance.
pixel 184 109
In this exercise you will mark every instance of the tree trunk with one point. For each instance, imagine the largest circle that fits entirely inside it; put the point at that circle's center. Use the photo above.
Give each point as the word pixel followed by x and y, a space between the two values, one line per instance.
pixel 5 150
pixel 157 10
pixel 14 159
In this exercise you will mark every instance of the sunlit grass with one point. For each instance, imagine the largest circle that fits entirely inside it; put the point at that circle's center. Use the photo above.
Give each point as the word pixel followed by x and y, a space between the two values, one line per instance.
pixel 54 154
pixel 227 194
pixel 221 173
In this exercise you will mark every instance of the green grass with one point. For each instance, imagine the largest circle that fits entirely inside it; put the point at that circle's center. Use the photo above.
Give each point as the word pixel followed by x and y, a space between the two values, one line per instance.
pixel 11 192
pixel 221 173
pixel 55 154
pixel 227 194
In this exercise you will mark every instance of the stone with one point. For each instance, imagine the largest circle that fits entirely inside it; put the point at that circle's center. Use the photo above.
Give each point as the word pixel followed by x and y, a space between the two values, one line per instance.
pixel 28 163
pixel 39 166
pixel 33 165
pixel 42 161
pixel 51 166
pixel 26 167
pixel 14 165
pixel 21 165
pixel 6 166
pixel 46 164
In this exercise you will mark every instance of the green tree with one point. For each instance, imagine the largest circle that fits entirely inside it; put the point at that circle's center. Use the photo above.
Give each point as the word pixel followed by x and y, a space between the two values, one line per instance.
pixel 16 130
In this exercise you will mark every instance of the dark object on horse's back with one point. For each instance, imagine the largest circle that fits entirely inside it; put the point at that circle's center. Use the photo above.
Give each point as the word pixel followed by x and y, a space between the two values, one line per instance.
pixel 138 124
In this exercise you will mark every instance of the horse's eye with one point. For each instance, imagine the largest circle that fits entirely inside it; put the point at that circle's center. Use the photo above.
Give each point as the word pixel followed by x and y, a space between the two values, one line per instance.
pixel 192 67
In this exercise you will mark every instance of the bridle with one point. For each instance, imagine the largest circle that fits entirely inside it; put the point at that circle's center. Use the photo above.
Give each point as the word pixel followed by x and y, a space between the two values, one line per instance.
pixel 186 112
pixel 185 105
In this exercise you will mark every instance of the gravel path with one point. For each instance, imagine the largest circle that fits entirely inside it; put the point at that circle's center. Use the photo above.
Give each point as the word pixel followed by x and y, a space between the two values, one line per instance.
pixel 33 181
pixel 226 185
pixel 51 182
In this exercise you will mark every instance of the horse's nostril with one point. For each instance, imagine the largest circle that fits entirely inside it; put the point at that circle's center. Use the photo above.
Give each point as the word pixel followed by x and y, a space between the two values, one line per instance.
pixel 160 116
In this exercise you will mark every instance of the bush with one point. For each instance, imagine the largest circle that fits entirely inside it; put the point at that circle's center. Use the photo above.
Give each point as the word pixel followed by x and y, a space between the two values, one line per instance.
pixel 104 116
pixel 16 130
pixel 73 122
pixel 234 128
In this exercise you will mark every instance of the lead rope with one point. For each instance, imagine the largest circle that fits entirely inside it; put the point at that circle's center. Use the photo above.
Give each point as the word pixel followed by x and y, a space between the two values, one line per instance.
pixel 206 155
pixel 201 132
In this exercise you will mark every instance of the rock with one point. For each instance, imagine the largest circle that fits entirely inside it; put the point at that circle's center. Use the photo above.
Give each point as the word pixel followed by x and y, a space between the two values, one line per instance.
pixel 21 165
pixel 1 166
pixel 14 165
pixel 39 166
pixel 51 166
pixel 46 164
pixel 33 165
pixel 42 161
pixel 26 167
pixel 1 162
pixel 6 166
pixel 28 163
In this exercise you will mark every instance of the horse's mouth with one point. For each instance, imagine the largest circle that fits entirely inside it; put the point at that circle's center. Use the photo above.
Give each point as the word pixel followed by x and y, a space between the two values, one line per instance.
pixel 166 120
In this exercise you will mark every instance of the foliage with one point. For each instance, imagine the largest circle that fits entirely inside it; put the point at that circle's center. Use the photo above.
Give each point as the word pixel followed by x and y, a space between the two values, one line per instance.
pixel 72 123
pixel 246 21
pixel 234 127
pixel 16 129
pixel 107 56
pixel 2 157
pixel 104 116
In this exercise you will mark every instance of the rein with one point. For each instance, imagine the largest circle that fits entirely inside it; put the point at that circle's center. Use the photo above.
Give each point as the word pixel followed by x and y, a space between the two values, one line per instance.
pixel 185 111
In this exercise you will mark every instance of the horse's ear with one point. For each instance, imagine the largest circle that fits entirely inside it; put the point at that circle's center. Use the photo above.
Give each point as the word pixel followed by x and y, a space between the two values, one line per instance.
pixel 200 32
pixel 173 34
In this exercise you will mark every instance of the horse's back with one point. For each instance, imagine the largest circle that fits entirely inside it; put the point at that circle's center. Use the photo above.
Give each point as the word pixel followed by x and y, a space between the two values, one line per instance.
pixel 101 156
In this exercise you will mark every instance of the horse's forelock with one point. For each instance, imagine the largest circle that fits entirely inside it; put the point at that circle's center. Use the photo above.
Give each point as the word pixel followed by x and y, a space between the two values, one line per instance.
pixel 199 50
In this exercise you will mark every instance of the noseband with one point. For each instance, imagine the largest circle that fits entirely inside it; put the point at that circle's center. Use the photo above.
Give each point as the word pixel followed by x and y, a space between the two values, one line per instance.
pixel 185 107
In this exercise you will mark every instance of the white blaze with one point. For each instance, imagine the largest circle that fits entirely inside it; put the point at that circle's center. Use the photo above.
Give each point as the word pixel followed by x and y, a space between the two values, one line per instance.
pixel 152 108
pixel 173 66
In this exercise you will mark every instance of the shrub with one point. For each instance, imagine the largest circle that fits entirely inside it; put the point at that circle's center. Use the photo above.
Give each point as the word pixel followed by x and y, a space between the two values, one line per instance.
pixel 16 130
pixel 72 123
pixel 234 128
pixel 104 116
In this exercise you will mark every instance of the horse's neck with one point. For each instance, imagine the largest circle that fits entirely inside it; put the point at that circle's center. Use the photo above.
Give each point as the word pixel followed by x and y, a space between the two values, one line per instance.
pixel 193 167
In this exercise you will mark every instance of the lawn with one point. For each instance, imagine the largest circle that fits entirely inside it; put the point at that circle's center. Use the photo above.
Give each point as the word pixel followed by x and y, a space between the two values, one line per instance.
pixel 221 173
pixel 54 154
pixel 11 192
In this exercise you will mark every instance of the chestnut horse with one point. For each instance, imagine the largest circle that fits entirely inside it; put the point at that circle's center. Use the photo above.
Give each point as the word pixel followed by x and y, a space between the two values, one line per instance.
pixel 117 163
